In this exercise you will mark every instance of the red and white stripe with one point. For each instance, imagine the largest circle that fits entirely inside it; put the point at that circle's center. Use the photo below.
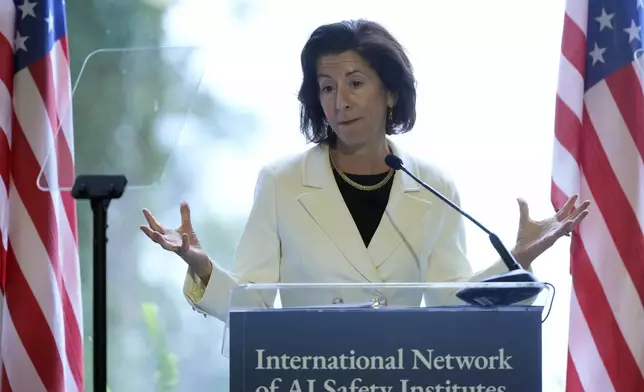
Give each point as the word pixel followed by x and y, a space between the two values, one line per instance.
pixel 41 312
pixel 598 150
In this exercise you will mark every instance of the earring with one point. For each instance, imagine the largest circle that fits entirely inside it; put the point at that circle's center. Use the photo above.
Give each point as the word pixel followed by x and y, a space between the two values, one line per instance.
pixel 391 114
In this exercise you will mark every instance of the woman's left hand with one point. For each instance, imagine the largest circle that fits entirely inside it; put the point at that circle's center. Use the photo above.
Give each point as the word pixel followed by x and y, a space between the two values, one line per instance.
pixel 535 237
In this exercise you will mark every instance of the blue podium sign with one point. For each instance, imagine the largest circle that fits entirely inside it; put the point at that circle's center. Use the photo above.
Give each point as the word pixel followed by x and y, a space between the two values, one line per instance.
pixel 442 349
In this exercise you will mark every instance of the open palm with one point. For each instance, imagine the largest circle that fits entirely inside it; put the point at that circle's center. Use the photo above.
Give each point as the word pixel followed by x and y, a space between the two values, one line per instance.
pixel 183 240
pixel 535 237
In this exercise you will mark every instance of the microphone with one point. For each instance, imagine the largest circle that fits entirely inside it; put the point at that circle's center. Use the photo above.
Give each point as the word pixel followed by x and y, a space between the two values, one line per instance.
pixel 484 296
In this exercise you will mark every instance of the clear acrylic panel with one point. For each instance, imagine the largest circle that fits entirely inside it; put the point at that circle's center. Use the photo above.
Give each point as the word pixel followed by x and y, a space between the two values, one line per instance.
pixel 383 296
pixel 118 77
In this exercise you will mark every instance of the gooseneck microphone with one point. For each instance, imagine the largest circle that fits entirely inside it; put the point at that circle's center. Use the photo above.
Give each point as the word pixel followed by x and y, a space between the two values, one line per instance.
pixel 485 296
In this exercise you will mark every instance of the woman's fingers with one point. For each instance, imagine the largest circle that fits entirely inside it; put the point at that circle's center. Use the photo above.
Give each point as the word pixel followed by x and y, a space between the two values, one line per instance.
pixel 153 235
pixel 162 236
pixel 185 243
pixel 567 208
pixel 162 241
pixel 184 209
pixel 581 210
pixel 153 222
pixel 577 218
pixel 149 232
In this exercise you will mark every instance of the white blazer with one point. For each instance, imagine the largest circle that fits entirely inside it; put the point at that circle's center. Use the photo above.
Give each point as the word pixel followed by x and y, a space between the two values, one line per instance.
pixel 300 231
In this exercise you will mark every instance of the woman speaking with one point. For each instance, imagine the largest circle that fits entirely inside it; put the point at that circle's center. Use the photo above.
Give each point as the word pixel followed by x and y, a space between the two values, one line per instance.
pixel 337 213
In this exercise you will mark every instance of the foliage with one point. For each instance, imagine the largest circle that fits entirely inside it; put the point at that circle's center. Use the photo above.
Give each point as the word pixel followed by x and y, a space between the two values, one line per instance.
pixel 167 376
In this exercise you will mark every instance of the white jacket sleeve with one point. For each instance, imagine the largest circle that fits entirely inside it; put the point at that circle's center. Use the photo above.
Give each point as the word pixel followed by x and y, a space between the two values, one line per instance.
pixel 257 260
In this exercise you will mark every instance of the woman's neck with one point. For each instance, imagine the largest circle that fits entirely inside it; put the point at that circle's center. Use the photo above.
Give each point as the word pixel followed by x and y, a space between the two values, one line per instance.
pixel 365 159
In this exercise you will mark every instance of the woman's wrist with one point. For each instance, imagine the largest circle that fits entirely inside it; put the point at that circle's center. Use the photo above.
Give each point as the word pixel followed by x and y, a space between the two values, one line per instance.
pixel 521 258
pixel 203 271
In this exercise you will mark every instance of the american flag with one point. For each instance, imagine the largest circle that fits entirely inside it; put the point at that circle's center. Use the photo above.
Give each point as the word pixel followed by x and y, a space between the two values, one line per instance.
pixel 598 150
pixel 40 303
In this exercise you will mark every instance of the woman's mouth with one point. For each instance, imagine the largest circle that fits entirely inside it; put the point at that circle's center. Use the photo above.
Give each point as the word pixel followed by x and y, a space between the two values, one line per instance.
pixel 348 122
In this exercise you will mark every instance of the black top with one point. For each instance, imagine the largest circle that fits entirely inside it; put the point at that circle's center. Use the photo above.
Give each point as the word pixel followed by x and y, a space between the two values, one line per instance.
pixel 366 207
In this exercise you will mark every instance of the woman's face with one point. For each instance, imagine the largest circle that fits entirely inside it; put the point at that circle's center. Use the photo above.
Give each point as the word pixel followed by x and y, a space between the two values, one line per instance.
pixel 353 98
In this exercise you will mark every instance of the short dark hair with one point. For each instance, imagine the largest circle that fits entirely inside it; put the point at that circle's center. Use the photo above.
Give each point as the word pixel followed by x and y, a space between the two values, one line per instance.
pixel 380 50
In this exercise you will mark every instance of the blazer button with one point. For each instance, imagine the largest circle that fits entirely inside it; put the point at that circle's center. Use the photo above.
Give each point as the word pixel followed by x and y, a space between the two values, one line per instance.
pixel 337 300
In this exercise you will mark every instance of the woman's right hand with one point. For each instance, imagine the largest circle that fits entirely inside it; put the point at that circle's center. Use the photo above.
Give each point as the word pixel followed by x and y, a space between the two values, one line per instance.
pixel 183 241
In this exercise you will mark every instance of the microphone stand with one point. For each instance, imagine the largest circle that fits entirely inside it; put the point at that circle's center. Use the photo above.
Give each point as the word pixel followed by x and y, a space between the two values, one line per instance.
pixel 485 296
pixel 99 190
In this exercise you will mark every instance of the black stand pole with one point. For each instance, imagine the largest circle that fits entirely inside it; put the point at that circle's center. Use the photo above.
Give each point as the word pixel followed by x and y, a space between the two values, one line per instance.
pixel 99 190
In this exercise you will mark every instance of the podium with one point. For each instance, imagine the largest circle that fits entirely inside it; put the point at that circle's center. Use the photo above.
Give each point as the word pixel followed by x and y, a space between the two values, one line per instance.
pixel 384 337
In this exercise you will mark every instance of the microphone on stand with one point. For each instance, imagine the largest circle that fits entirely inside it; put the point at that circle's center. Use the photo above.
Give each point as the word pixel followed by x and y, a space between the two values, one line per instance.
pixel 485 296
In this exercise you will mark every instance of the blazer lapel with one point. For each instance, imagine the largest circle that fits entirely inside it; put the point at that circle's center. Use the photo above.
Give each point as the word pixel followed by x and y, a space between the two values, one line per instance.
pixel 403 212
pixel 327 207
